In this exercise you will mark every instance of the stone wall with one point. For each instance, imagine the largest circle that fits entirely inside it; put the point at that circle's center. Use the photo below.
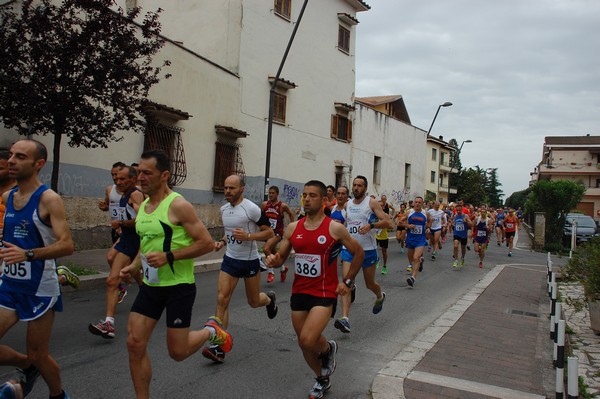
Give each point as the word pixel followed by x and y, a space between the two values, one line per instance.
pixel 91 227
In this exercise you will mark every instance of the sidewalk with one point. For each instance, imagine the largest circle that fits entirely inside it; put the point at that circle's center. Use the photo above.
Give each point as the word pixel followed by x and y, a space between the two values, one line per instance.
pixel 493 343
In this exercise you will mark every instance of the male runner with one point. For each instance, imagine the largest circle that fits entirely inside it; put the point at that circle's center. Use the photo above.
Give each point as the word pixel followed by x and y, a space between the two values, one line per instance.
pixel 382 234
pixel 511 222
pixel 520 216
pixel 244 224
pixel 438 220
pixel 400 230
pixel 275 210
pixel 171 236
pixel 338 212
pixel 126 247
pixel 6 182
pixel 360 213
pixel 482 228
pixel 500 215
pixel 35 234
pixel 316 241
pixel 418 223
pixel 331 197
pixel 460 226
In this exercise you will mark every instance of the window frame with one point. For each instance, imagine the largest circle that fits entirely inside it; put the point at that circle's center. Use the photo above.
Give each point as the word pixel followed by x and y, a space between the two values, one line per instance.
pixel 434 154
pixel 344 39
pixel 279 108
pixel 432 176
pixel 279 8
pixel 335 128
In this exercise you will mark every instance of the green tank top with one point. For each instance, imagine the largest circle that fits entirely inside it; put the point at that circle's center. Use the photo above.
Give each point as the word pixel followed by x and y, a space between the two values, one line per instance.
pixel 158 234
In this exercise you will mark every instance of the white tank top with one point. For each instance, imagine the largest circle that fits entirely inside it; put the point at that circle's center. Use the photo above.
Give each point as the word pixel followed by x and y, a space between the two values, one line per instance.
pixel 358 215
pixel 436 218
pixel 243 216
pixel 114 198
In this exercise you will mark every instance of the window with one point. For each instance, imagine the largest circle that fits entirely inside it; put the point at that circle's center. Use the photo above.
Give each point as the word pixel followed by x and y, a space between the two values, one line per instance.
pixel 279 108
pixel 407 176
pixel 161 136
pixel 434 154
pixel 283 8
pixel 341 128
pixel 443 158
pixel 228 161
pixel 432 177
pixel 597 183
pixel 344 39
pixel 377 170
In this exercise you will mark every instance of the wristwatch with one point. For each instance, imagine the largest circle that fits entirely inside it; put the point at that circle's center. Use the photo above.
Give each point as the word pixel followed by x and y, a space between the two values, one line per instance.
pixel 29 255
pixel 372 225
pixel 349 282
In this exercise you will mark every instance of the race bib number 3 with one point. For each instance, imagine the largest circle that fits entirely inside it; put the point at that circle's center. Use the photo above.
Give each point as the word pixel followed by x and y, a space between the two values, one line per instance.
pixel 150 273
pixel 18 271
pixel 308 265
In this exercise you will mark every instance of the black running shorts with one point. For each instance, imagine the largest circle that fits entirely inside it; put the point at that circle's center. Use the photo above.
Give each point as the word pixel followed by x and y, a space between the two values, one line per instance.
pixel 305 302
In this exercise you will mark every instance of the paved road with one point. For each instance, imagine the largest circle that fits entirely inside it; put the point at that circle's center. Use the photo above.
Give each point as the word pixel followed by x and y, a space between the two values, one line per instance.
pixel 266 361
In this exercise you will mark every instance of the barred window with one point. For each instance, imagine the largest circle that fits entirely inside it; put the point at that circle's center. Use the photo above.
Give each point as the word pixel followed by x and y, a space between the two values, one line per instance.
pixel 228 161
pixel 161 136
pixel 279 108
pixel 283 8
pixel 344 39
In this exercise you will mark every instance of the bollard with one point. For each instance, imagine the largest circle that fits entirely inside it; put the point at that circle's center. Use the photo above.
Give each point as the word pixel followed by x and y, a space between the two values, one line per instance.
pixel 549 270
pixel 553 316
pixel 552 327
pixel 572 378
pixel 560 361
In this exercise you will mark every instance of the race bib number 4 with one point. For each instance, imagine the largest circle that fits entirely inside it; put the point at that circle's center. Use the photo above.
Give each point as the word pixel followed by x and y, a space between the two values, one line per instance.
pixel 308 265
pixel 18 271
pixel 150 273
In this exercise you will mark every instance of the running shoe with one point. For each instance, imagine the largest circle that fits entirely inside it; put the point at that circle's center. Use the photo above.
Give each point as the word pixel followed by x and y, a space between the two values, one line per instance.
pixel 510 254
pixel 104 329
pixel 462 262
pixel 409 268
pixel 422 260
pixel 468 247
pixel 270 277
pixel 353 293
pixel 322 384
pixel 214 353
pixel 498 243
pixel 11 390
pixel 481 265
pixel 71 278
pixel 122 292
pixel 328 359
pixel 283 274
pixel 455 263
pixel 379 303
pixel 221 337
pixel 27 378
pixel 342 324
pixel 402 250
pixel 433 256
pixel 411 281
pixel 384 269
pixel 272 306
pixel 67 396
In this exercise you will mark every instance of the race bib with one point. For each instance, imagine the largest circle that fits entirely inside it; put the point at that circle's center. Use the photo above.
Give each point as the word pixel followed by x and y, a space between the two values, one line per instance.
pixel 308 265
pixel 509 225
pixel 460 227
pixel 150 273
pixel 273 223
pixel 18 271
pixel 418 229
pixel 230 238
pixel 117 212
pixel 481 233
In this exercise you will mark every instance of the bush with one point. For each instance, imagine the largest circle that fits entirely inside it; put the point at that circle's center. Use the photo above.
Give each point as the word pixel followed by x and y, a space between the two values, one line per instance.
pixel 584 267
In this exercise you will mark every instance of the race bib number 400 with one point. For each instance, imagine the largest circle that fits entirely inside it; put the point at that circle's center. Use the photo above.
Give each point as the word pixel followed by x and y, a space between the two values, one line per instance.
pixel 18 271
pixel 308 265
pixel 150 273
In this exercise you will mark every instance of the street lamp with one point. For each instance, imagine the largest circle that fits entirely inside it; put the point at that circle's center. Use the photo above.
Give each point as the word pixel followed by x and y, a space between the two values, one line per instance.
pixel 446 104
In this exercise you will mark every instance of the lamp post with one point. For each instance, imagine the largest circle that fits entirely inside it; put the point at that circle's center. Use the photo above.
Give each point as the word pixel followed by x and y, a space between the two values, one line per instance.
pixel 446 104
pixel 455 160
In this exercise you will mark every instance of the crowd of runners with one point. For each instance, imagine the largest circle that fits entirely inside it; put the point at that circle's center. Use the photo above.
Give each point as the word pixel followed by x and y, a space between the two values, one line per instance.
pixel 157 234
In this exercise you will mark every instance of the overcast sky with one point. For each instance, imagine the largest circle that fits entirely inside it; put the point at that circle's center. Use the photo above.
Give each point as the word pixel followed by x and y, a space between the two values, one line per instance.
pixel 515 70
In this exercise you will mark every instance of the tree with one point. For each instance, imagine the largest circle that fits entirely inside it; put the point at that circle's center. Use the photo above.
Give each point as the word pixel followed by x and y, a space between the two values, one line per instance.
pixel 554 198
pixel 518 198
pixel 492 188
pixel 470 185
pixel 77 69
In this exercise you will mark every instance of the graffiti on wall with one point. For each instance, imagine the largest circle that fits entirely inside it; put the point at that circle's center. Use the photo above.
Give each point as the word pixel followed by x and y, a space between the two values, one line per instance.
pixel 291 194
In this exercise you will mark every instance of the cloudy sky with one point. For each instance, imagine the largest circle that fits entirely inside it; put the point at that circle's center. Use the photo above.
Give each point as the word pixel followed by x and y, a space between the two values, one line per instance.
pixel 515 70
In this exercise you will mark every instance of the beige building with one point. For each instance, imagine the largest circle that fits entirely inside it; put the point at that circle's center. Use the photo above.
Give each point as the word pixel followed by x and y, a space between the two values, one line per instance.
pixel 574 158
pixel 437 169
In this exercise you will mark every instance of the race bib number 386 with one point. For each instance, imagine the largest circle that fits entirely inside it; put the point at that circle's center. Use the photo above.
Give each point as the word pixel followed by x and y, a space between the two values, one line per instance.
pixel 308 265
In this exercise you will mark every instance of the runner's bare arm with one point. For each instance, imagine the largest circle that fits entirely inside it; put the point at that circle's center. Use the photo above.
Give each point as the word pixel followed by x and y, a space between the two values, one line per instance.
pixel 285 247
pixel 385 222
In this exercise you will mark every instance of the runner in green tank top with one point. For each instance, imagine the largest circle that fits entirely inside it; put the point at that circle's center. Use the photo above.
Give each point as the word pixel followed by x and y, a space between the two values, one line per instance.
pixel 171 237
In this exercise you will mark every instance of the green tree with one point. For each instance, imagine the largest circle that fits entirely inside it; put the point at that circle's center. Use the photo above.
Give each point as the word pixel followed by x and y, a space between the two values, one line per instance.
pixel 492 188
pixel 76 69
pixel 470 184
pixel 554 198
pixel 517 199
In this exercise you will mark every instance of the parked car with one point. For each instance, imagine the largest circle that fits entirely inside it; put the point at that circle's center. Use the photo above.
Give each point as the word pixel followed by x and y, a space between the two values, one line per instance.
pixel 586 227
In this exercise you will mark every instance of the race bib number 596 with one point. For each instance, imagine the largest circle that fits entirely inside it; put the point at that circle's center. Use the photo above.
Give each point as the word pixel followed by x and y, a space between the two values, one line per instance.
pixel 308 265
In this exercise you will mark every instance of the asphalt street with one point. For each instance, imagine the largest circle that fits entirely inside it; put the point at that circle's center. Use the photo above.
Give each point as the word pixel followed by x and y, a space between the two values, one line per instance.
pixel 265 361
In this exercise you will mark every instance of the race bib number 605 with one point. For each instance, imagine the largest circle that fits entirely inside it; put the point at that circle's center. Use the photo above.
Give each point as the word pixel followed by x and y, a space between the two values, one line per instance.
pixel 308 265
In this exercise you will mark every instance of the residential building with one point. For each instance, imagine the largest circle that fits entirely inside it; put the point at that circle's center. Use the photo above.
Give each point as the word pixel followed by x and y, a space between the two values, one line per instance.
pixel 212 114
pixel 573 158
pixel 437 169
